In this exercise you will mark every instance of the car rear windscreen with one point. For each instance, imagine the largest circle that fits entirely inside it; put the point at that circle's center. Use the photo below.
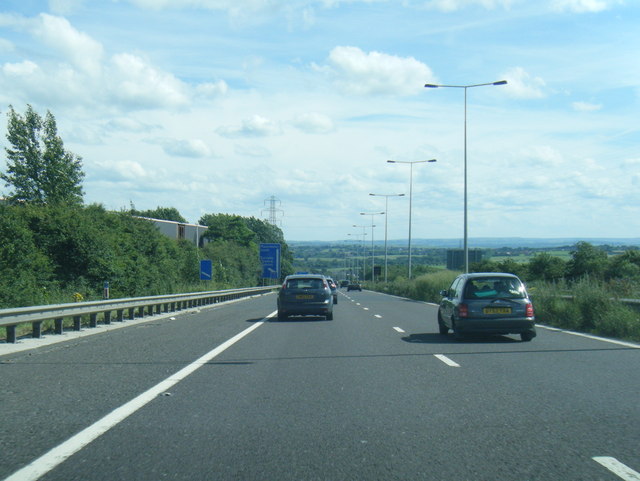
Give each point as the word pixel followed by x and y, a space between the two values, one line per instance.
pixel 493 288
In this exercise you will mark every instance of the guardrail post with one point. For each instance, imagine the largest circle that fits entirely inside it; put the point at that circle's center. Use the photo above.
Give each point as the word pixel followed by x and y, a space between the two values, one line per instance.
pixel 120 315
pixel 93 319
pixel 132 313
pixel 11 334
pixel 77 323
pixel 107 317
pixel 141 311
pixel 57 323
pixel 36 329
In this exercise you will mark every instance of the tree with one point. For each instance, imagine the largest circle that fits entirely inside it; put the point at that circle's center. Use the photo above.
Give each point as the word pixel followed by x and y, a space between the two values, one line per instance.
pixel 587 260
pixel 546 267
pixel 228 227
pixel 624 266
pixel 162 213
pixel 39 169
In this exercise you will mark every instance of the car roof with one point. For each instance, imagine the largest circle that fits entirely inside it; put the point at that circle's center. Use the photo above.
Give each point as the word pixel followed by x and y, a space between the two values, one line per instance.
pixel 305 276
pixel 473 275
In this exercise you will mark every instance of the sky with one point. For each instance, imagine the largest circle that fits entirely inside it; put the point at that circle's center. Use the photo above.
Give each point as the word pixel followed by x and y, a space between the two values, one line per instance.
pixel 221 106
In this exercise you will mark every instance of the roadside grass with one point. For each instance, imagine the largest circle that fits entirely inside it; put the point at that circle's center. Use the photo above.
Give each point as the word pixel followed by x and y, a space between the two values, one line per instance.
pixel 425 287
pixel 588 306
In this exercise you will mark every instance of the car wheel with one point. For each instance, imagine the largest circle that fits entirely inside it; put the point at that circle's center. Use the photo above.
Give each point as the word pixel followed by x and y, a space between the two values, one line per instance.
pixel 444 330
pixel 526 336
pixel 457 334
pixel 281 316
pixel 335 300
pixel 329 316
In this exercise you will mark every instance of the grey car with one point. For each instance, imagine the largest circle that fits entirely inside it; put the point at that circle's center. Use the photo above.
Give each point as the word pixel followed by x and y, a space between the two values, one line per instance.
pixel 334 289
pixel 487 302
pixel 305 295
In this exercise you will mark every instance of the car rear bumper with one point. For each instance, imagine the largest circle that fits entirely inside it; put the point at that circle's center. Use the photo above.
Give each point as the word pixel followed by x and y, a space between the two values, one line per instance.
pixel 305 309
pixel 496 326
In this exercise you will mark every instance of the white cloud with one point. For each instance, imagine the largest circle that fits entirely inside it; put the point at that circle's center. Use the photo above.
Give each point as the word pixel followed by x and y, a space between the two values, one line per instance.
pixel 362 73
pixel 80 49
pixel 543 155
pixel 582 6
pixel 255 151
pixel 212 89
pixel 64 7
pixel 121 170
pixel 80 73
pixel 256 126
pixel 20 69
pixel 194 148
pixel 453 5
pixel 136 82
pixel 127 124
pixel 313 123
pixel 585 106
pixel 522 85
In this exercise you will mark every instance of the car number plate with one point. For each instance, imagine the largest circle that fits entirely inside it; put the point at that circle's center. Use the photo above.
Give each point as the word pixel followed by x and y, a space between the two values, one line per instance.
pixel 496 310
pixel 304 296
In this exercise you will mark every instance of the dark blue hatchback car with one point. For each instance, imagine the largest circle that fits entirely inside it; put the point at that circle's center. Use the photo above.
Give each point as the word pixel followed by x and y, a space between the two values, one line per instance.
pixel 305 295
pixel 487 302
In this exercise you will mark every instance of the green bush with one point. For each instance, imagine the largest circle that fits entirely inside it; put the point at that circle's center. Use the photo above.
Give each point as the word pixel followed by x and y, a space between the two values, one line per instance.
pixel 587 306
pixel 425 287
pixel 50 253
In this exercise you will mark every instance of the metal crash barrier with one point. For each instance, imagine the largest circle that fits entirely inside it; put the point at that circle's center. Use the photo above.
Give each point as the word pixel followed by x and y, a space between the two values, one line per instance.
pixel 117 310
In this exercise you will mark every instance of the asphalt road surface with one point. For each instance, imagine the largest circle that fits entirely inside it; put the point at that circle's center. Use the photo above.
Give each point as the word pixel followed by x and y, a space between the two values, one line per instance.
pixel 230 393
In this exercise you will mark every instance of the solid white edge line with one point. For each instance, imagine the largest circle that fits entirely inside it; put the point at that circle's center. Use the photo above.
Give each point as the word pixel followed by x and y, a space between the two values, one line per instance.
pixel 446 360
pixel 60 453
pixel 616 467
pixel 591 336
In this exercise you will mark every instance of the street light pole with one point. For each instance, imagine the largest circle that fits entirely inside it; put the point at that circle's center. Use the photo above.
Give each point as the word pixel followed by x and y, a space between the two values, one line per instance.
pixel 364 257
pixel 410 194
pixel 373 255
pixel 465 87
pixel 386 218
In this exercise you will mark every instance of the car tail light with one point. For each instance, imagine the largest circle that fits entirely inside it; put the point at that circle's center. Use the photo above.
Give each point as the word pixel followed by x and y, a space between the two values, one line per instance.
pixel 529 310
pixel 326 284
pixel 284 285
pixel 463 310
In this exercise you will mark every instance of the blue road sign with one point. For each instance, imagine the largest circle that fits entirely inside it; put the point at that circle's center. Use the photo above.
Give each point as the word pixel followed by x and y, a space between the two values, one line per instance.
pixel 206 270
pixel 270 258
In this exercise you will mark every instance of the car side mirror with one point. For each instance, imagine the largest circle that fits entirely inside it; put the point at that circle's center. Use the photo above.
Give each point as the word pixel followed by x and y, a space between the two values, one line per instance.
pixel 444 293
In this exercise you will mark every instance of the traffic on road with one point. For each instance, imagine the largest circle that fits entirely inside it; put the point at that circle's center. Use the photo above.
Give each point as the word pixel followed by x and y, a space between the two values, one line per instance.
pixel 232 392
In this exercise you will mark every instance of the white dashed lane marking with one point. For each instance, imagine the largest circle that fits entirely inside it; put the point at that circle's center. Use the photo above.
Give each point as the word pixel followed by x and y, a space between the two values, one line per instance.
pixel 616 467
pixel 446 360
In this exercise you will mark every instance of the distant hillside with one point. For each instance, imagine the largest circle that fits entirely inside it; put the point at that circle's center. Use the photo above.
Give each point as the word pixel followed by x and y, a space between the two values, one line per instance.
pixel 494 242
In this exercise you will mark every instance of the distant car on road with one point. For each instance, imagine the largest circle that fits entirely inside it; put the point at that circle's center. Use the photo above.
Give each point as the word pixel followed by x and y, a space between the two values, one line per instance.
pixel 344 283
pixel 487 302
pixel 305 295
pixel 354 286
